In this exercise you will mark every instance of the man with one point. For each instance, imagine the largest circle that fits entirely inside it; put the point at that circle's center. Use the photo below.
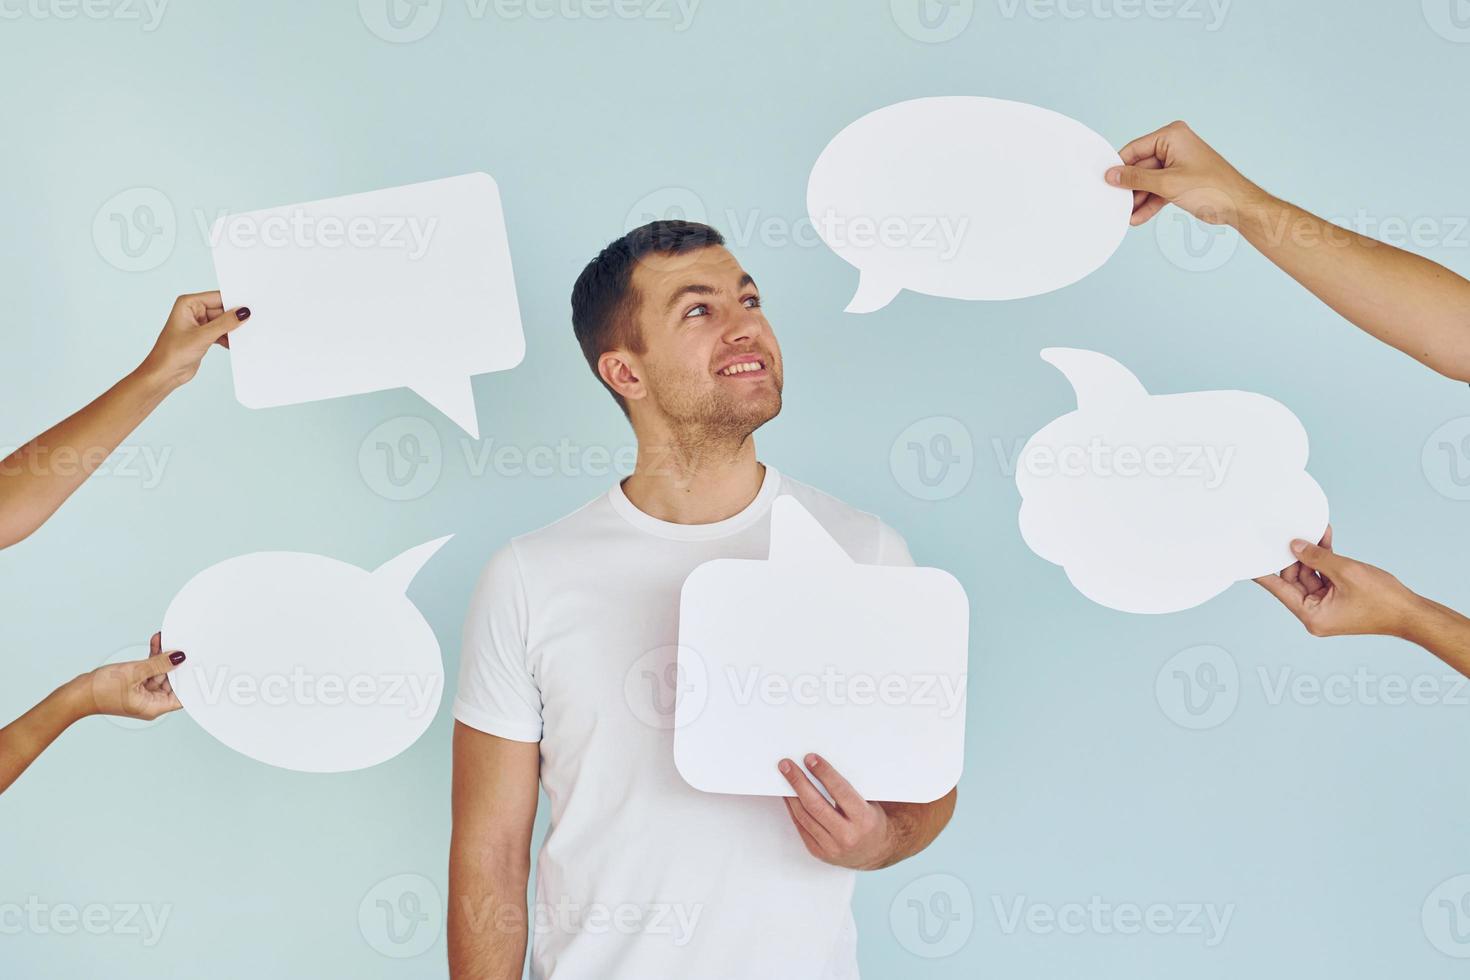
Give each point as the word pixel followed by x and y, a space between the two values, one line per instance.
pixel 1404 300
pixel 641 875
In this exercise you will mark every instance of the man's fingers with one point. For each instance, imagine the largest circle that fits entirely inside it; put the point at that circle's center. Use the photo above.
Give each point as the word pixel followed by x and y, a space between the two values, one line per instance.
pixel 1327 538
pixel 1318 558
pixel 811 799
pixel 817 839
pixel 1143 147
pixel 848 800
pixel 1152 205
pixel 1289 595
pixel 1136 178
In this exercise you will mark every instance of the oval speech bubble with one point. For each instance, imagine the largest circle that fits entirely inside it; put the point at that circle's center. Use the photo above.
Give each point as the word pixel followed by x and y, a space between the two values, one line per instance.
pixel 1157 503
pixel 306 662
pixel 968 198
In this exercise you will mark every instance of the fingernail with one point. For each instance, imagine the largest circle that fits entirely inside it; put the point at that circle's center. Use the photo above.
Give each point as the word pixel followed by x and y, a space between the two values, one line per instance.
pixel 812 760
pixel 1297 547
pixel 176 658
pixel 243 313
pixel 784 766
pixel 1114 176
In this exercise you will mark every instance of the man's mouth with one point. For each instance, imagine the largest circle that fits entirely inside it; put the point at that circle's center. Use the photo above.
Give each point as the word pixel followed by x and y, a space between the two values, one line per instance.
pixel 746 367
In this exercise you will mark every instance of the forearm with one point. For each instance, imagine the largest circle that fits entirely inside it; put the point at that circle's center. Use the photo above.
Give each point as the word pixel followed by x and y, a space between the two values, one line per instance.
pixel 1403 299
pixel 487 918
pixel 29 735
pixel 37 478
pixel 913 826
pixel 1442 631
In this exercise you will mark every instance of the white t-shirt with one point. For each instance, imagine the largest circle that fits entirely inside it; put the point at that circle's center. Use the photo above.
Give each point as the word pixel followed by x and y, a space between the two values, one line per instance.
pixel 571 640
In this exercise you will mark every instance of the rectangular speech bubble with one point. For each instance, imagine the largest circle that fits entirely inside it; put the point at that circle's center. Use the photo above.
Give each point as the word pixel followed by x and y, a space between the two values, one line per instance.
pixel 407 287
pixel 811 652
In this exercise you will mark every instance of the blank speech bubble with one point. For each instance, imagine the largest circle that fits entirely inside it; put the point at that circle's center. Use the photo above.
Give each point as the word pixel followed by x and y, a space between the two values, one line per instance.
pixel 968 198
pixel 408 287
pixel 306 662
pixel 1157 503
pixel 810 652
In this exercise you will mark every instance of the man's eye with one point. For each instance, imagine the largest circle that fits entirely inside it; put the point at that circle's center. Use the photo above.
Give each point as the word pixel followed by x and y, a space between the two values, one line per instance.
pixel 752 302
pixel 700 310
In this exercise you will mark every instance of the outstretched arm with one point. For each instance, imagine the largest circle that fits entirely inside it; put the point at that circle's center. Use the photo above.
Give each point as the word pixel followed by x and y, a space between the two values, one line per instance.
pixel 1403 299
pixel 37 478
pixel 1333 595
pixel 138 689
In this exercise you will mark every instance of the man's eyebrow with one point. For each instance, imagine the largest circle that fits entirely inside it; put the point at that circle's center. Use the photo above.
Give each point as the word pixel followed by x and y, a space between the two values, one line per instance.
pixel 700 289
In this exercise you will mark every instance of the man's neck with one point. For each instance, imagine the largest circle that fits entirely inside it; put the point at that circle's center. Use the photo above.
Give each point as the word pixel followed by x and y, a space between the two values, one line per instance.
pixel 700 484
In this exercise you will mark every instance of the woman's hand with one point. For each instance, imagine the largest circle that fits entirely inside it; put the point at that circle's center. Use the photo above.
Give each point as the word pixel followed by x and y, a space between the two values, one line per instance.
pixel 135 689
pixel 196 322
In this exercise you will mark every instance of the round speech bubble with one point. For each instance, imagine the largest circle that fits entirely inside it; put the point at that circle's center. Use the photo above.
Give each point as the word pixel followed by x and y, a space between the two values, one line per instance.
pixel 305 662
pixel 968 198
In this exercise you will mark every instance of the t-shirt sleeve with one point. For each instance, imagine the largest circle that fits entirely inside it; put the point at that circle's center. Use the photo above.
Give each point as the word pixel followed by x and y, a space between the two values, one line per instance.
pixel 497 690
pixel 892 549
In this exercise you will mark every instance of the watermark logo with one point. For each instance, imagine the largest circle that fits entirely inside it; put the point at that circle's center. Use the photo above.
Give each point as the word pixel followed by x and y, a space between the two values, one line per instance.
pixel 934 458
pixel 415 693
pixel 933 916
pixel 1446 459
pixel 135 230
pixel 1191 244
pixel 1199 687
pixel 673 922
pixel 401 916
pixel 932 21
pixel 1446 917
pixel 1450 19
pixel 148 14
pixel 400 21
pixel 1201 920
pixel 657 683
pixel 1209 14
pixel 147 465
pixel 402 459
pixel 142 920
pixel 666 204
pixel 945 693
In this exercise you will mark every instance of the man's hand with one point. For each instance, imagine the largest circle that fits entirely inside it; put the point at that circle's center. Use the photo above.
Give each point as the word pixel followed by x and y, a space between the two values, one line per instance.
pixel 852 834
pixel 1336 596
pixel 1174 166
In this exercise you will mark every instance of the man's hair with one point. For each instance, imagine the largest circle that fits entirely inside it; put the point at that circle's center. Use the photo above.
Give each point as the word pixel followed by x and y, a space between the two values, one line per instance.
pixel 603 299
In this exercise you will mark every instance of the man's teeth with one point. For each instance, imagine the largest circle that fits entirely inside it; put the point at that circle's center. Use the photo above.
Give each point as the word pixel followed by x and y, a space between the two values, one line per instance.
pixel 734 369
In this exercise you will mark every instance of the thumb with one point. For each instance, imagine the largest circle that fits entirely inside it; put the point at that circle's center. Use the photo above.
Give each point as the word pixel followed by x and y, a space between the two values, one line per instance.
pixel 221 325
pixel 1318 558
pixel 154 666
pixel 1136 179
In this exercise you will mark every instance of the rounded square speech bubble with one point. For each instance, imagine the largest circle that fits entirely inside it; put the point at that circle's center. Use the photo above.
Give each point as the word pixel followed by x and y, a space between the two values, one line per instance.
pixel 407 287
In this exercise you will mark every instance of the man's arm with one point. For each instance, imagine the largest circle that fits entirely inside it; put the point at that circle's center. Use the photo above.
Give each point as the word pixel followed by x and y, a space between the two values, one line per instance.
pixel 1333 595
pixel 856 833
pixel 495 785
pixel 1403 299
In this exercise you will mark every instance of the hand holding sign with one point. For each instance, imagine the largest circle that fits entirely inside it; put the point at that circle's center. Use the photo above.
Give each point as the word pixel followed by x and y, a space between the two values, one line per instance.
pixel 865 664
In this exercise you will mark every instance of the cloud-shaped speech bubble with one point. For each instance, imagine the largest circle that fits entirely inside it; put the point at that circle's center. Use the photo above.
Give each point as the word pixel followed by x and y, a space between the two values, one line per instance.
pixel 408 287
pixel 1157 503
pixel 811 652
pixel 966 197
pixel 306 662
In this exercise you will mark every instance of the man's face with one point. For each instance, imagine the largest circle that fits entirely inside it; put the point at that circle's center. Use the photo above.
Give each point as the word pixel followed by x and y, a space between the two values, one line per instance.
pixel 710 361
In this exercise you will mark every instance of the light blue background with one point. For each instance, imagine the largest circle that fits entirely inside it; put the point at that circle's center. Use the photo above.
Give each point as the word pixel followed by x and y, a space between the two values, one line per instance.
pixel 1325 827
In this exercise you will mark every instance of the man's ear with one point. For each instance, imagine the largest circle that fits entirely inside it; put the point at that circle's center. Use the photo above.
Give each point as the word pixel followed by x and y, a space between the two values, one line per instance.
pixel 620 371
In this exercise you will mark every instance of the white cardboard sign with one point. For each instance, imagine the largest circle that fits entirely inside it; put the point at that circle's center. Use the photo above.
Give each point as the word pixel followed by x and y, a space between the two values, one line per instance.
pixel 408 287
pixel 809 651
pixel 1157 503
pixel 306 662
pixel 966 197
